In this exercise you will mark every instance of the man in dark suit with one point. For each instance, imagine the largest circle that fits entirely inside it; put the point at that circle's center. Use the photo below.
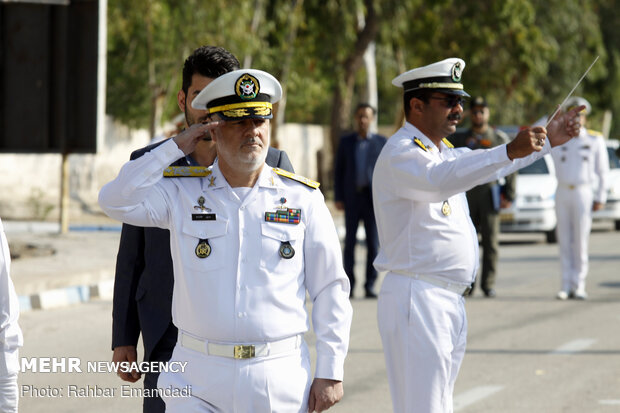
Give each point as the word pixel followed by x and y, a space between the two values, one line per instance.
pixel 144 276
pixel 355 163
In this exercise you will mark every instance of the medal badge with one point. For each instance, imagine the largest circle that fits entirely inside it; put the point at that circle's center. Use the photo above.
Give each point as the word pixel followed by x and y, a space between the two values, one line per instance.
pixel 283 214
pixel 203 249
pixel 202 208
pixel 286 250
pixel 445 208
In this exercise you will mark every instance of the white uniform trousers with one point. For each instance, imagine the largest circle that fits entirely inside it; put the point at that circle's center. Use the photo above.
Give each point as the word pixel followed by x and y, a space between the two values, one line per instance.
pixel 278 383
pixel 424 332
pixel 573 208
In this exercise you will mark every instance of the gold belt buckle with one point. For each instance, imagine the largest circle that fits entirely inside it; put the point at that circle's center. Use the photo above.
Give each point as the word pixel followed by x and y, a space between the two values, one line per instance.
pixel 571 187
pixel 244 352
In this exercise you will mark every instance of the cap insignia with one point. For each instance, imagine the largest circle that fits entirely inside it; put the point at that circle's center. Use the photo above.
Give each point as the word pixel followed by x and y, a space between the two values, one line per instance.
pixel 247 87
pixel 457 72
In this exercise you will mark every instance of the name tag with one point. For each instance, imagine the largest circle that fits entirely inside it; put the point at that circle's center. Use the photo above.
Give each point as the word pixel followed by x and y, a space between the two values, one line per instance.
pixel 203 217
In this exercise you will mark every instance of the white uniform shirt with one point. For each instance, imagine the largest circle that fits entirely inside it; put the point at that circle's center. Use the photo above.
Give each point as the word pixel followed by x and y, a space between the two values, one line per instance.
pixel 583 161
pixel 244 291
pixel 10 333
pixel 410 186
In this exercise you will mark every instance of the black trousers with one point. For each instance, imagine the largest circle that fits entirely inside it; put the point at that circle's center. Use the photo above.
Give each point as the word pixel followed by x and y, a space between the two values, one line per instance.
pixel 161 352
pixel 361 209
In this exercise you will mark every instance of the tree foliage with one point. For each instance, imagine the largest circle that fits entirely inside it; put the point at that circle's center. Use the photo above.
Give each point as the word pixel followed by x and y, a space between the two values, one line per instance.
pixel 523 55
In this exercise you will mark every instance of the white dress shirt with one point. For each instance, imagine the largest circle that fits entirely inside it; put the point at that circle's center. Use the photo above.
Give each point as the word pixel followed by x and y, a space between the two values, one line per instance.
pixel 410 187
pixel 583 161
pixel 244 291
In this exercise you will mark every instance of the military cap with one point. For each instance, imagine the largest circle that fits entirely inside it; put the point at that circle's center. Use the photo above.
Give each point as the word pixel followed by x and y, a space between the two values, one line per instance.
pixel 478 101
pixel 240 94
pixel 444 77
pixel 575 101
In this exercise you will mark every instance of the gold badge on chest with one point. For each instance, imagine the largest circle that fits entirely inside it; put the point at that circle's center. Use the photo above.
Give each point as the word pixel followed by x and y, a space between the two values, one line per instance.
pixel 445 208
pixel 203 249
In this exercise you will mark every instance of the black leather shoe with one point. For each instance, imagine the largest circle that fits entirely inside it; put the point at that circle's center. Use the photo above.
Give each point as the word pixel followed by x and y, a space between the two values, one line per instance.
pixel 490 293
pixel 371 294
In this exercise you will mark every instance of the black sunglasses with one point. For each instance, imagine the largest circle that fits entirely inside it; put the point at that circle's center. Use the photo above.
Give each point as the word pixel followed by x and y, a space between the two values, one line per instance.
pixel 451 101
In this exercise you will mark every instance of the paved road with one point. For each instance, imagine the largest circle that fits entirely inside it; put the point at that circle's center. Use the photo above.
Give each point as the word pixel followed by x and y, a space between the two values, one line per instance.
pixel 527 352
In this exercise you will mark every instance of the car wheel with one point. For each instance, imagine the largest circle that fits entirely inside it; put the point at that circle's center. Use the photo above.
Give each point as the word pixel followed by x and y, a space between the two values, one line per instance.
pixel 551 237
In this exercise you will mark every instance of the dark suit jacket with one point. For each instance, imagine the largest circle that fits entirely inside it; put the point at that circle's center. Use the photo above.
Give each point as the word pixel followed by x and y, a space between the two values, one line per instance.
pixel 345 172
pixel 144 277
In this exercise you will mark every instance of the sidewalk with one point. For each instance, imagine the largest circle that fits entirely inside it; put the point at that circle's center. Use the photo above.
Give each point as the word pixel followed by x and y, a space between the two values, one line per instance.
pixel 51 270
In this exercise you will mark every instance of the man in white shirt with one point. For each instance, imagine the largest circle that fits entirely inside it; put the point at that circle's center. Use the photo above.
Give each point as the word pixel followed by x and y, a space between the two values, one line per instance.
pixel 428 245
pixel 248 241
pixel 580 165
pixel 10 333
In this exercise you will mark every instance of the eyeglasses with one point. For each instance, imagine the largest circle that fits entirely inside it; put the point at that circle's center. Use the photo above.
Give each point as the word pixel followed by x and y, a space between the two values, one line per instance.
pixel 451 101
pixel 477 112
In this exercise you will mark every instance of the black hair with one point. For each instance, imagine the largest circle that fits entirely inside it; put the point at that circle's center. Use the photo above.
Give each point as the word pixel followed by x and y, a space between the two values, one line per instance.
pixel 208 61
pixel 364 105
pixel 423 94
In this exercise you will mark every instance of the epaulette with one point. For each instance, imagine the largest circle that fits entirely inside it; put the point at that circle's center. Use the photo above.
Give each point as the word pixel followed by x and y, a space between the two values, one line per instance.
pixel 594 132
pixel 447 143
pixel 186 171
pixel 420 144
pixel 298 178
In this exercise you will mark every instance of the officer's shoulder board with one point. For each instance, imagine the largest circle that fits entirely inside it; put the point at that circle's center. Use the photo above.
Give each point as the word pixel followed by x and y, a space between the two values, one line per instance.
pixel 593 132
pixel 186 171
pixel 308 182
pixel 420 144
pixel 447 143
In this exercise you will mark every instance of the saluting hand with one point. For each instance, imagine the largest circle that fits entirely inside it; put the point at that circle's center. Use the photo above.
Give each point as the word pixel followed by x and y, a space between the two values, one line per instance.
pixel 564 126
pixel 324 393
pixel 527 141
pixel 189 138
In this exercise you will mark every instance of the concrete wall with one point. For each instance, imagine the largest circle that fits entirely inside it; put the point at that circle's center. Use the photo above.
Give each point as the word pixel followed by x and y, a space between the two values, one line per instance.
pixel 30 188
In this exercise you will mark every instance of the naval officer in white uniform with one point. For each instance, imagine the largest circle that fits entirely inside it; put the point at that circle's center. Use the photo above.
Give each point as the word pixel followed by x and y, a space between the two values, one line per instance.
pixel 10 333
pixel 248 241
pixel 581 166
pixel 428 244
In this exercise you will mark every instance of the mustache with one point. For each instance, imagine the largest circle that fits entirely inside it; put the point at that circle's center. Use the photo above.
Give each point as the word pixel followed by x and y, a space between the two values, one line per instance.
pixel 253 141
pixel 454 116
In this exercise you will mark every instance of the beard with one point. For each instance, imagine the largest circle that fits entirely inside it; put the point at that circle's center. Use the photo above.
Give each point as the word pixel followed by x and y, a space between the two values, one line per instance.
pixel 243 160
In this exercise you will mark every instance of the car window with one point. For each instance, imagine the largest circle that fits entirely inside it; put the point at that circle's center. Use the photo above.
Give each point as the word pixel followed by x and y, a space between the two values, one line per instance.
pixel 614 162
pixel 537 168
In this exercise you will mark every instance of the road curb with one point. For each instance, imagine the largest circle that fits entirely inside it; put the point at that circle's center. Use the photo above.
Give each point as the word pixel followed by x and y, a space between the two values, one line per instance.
pixel 63 297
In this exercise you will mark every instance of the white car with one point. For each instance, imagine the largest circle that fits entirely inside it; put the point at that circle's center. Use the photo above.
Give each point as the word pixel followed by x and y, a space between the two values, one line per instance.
pixel 612 207
pixel 533 209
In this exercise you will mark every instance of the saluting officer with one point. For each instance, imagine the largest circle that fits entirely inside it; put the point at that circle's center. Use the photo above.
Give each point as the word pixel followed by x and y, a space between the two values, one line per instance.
pixel 428 245
pixel 247 242
pixel 580 165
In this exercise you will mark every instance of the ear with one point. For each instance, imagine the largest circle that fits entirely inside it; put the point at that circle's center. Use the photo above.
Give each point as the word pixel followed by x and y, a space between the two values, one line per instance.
pixel 417 105
pixel 212 133
pixel 181 100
